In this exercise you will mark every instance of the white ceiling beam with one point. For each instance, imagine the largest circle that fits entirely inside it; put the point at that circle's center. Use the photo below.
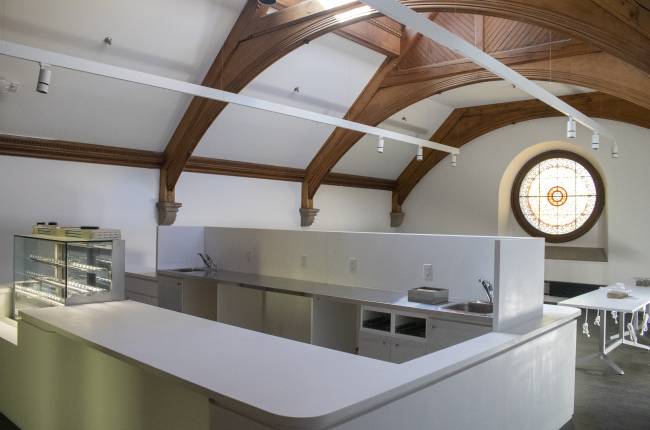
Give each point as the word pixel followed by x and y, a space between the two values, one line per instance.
pixel 417 22
pixel 74 63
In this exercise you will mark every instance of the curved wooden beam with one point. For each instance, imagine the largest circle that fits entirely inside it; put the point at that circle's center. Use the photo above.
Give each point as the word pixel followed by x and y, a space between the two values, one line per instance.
pixel 466 124
pixel 598 71
pixel 257 40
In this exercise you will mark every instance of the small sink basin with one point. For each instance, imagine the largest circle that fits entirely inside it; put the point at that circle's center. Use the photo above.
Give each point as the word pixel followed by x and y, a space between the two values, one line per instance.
pixel 189 270
pixel 472 307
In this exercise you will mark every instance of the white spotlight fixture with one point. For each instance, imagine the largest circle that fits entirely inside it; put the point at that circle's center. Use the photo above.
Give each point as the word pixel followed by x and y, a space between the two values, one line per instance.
pixel 44 76
pixel 380 144
pixel 595 141
pixel 615 150
pixel 454 160
pixel 571 128
pixel 420 155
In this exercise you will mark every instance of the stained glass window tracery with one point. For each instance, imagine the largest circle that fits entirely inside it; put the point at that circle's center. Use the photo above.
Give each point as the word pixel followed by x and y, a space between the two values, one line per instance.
pixel 557 194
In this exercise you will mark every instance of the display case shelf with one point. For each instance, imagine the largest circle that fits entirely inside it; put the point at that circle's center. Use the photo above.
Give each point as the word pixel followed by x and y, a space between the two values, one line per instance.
pixel 54 271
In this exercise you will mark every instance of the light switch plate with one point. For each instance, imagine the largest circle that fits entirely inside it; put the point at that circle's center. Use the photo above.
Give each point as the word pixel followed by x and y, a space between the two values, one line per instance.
pixel 427 272
pixel 303 261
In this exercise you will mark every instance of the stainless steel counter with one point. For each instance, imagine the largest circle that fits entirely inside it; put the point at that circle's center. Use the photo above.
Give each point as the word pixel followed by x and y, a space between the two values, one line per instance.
pixel 357 295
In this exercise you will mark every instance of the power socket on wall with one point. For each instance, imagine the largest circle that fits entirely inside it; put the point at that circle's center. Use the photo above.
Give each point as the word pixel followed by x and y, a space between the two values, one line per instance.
pixel 353 265
pixel 427 272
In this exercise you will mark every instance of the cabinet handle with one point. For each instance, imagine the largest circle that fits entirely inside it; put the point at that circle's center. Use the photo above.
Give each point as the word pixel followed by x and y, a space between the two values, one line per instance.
pixel 397 345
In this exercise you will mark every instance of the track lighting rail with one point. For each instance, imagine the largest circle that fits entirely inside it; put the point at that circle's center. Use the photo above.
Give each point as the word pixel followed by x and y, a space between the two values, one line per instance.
pixel 74 63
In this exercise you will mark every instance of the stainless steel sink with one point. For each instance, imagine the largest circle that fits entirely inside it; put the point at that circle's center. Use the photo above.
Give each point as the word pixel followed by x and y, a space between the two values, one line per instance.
pixel 189 269
pixel 471 307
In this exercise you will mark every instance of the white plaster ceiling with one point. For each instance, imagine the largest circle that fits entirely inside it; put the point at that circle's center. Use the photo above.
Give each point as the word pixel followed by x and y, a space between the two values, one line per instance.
pixel 164 37
pixel 423 119
pixel 330 73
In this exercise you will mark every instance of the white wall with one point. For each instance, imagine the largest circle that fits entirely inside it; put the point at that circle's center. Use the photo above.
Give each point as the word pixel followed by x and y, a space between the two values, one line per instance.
pixel 71 193
pixel 384 261
pixel 247 202
pixel 465 199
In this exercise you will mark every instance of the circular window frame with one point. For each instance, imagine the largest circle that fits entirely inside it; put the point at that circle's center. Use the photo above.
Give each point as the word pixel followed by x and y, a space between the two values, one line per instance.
pixel 588 224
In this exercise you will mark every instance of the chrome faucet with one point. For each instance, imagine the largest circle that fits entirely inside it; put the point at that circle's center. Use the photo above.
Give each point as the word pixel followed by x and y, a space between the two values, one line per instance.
pixel 209 263
pixel 489 289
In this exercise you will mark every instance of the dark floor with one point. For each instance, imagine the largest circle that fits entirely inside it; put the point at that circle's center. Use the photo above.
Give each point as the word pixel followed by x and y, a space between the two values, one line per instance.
pixel 5 424
pixel 605 399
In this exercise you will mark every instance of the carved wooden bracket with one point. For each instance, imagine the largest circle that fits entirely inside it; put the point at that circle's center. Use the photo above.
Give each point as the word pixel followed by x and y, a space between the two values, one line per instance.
pixel 396 219
pixel 167 212
pixel 307 216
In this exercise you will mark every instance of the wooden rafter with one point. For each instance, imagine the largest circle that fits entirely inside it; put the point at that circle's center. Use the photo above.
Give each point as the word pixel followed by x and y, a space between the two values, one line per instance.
pixel 257 40
pixel 19 146
pixel 316 170
pixel 598 71
pixel 379 34
pixel 466 124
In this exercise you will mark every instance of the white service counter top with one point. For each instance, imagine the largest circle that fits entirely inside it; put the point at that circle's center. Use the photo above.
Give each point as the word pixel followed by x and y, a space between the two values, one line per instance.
pixel 357 295
pixel 282 383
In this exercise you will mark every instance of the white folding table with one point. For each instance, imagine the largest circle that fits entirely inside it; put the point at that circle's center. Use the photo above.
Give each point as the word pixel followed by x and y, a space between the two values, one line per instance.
pixel 597 300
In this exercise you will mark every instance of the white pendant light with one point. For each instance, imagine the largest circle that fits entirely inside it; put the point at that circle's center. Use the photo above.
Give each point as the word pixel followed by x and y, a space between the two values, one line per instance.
pixel 571 128
pixel 595 141
pixel 615 150
pixel 420 155
pixel 44 76
pixel 380 144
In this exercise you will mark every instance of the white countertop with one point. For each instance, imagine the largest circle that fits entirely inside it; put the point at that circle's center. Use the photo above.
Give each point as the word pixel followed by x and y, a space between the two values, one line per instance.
pixel 598 299
pixel 283 383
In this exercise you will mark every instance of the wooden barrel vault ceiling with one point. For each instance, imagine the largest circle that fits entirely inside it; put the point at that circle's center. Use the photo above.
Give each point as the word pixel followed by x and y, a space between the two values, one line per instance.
pixel 599 44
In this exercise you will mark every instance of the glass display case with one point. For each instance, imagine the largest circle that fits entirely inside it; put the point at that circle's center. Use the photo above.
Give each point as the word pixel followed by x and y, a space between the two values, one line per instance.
pixel 60 271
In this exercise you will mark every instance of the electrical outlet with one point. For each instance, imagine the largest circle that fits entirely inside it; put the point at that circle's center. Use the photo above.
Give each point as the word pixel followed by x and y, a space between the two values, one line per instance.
pixel 353 265
pixel 427 272
pixel 303 261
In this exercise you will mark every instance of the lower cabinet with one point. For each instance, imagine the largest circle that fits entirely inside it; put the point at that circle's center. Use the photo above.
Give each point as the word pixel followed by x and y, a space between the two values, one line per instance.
pixel 241 307
pixel 195 297
pixel 397 336
pixel 390 348
pixel 288 316
pixel 141 289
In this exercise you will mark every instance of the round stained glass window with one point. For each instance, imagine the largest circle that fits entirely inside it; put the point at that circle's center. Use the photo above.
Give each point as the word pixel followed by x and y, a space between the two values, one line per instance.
pixel 558 195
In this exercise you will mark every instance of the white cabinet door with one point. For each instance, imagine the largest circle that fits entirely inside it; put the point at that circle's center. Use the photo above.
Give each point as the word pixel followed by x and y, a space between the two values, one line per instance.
pixel 374 346
pixel 240 306
pixel 200 298
pixel 145 287
pixel 404 350
pixel 334 325
pixel 288 315
pixel 170 293
pixel 153 301
pixel 443 334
